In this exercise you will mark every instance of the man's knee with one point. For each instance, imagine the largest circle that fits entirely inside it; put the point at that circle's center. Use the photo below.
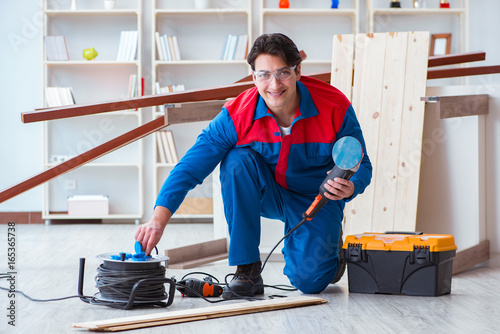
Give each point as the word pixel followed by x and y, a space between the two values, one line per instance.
pixel 311 284
pixel 236 160
pixel 311 278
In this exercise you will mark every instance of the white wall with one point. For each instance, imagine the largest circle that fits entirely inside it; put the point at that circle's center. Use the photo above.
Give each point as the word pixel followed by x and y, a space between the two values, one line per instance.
pixel 460 172
pixel 21 81
pixel 20 68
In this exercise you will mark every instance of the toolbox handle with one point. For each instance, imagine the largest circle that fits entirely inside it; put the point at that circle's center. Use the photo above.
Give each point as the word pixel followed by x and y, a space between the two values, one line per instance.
pixel 404 232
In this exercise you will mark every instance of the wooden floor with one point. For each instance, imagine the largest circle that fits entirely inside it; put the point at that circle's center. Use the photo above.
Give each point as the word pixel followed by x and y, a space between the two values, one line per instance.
pixel 47 267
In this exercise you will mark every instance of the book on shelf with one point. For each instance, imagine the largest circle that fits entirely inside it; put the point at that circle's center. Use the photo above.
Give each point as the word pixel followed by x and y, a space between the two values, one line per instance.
pixel 59 96
pixel 167 89
pixel 168 47
pixel 171 146
pixel 162 158
pixel 55 48
pixel 135 89
pixel 235 48
pixel 161 53
pixel 241 48
pixel 166 147
pixel 177 52
pixel 127 48
pixel 132 86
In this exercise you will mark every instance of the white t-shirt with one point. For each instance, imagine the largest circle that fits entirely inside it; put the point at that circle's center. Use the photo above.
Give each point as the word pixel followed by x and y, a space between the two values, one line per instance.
pixel 286 131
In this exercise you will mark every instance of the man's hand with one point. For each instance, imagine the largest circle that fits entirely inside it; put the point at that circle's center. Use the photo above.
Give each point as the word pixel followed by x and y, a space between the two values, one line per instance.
pixel 340 188
pixel 150 233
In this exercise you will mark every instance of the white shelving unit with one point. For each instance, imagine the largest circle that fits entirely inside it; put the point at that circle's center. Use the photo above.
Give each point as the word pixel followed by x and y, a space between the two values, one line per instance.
pixel 102 79
pixel 455 20
pixel 310 17
pixel 183 20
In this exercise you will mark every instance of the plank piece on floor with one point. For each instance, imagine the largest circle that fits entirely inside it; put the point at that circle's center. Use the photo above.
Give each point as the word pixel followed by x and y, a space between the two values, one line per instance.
pixel 209 312
pixel 197 254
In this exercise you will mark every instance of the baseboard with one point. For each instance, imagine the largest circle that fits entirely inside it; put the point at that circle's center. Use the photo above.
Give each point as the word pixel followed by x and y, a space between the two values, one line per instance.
pixel 469 257
pixel 198 254
pixel 21 217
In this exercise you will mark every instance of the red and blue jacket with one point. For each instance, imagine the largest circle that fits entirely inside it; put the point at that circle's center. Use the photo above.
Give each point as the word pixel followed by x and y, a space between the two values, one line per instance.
pixel 299 161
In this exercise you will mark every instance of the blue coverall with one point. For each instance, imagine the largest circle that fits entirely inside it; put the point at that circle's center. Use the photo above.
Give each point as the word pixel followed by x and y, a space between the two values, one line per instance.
pixel 264 173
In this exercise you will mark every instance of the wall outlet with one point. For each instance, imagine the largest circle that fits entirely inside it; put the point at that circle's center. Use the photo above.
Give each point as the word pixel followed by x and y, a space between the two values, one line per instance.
pixel 70 184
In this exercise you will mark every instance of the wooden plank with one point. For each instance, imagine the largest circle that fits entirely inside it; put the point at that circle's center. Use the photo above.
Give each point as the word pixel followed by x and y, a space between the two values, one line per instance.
pixel 342 63
pixel 469 257
pixel 207 94
pixel 210 312
pixel 462 71
pixel 461 105
pixel 389 132
pixel 45 114
pixel 192 111
pixel 456 58
pixel 367 102
pixel 386 97
pixel 153 324
pixel 197 254
pixel 412 132
pixel 86 157
pixel 196 205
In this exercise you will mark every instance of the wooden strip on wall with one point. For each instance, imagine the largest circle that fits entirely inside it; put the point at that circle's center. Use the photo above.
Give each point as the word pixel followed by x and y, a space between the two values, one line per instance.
pixel 412 131
pixel 389 132
pixel 342 63
pixel 367 102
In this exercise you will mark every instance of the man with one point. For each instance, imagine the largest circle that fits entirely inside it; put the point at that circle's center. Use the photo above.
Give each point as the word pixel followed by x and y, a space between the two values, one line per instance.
pixel 274 143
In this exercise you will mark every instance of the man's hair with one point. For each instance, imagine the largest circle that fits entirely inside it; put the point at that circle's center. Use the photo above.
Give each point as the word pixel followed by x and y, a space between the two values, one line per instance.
pixel 276 45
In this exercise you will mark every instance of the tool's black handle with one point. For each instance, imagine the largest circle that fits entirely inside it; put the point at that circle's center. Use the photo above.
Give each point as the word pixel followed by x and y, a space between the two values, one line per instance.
pixel 335 172
pixel 321 200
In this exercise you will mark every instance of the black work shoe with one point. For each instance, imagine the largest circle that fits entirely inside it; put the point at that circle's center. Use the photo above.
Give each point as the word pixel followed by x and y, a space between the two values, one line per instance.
pixel 342 262
pixel 246 282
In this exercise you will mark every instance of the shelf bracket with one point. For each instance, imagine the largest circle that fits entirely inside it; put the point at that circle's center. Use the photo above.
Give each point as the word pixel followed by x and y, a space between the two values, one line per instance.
pixel 459 106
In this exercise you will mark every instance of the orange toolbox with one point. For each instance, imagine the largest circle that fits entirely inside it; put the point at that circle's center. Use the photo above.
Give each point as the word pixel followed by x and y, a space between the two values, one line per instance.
pixel 409 263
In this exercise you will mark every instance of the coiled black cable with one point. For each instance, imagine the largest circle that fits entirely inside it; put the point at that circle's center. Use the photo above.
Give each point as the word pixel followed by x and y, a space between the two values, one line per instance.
pixel 116 285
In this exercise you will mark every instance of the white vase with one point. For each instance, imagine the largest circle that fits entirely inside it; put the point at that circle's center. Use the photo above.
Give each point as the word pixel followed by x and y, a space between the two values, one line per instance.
pixel 109 4
pixel 73 4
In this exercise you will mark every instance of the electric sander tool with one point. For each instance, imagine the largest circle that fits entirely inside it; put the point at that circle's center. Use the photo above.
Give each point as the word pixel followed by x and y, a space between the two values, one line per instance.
pixel 347 154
